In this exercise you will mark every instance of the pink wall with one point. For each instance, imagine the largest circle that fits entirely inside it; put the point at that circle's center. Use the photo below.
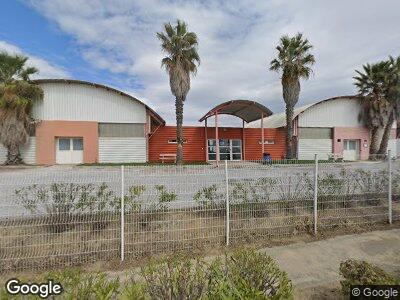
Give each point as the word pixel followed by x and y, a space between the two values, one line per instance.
pixel 351 133
pixel 48 131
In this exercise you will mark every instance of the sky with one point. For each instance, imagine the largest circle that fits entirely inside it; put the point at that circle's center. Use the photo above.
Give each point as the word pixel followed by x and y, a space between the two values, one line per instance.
pixel 114 43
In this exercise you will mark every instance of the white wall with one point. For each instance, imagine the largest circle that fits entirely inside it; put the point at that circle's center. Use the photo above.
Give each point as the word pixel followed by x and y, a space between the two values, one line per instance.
pixel 392 146
pixel 28 152
pixel 117 150
pixel 80 102
pixel 332 113
pixel 398 147
pixel 309 147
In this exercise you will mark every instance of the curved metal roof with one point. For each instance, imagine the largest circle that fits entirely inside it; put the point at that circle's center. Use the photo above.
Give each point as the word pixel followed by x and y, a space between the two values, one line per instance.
pixel 97 85
pixel 247 110
pixel 279 120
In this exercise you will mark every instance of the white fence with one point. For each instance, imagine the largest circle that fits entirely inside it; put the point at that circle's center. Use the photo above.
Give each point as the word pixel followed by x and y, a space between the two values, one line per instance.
pixel 59 218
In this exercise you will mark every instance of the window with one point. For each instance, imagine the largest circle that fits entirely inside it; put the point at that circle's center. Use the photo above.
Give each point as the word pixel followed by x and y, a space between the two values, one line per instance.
pixel 77 144
pixel 228 149
pixel 174 141
pixel 64 144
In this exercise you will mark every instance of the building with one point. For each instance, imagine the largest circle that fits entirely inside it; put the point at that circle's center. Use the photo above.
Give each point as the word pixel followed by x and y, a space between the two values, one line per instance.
pixel 329 127
pixel 82 122
pixel 234 143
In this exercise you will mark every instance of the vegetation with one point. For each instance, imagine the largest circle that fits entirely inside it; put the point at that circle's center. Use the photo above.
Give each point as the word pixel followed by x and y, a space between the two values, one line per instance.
pixel 358 272
pixel 376 110
pixel 379 87
pixel 294 61
pixel 181 61
pixel 207 196
pixel 17 95
pixel 245 274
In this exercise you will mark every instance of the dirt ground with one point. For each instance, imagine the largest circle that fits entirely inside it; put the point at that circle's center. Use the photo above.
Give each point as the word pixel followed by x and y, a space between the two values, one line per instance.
pixel 314 267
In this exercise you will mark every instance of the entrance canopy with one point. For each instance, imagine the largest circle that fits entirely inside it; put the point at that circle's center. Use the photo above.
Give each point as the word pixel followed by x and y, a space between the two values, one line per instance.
pixel 247 110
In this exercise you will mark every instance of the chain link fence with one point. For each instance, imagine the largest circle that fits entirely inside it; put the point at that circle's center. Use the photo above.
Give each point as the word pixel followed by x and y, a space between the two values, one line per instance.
pixel 88 214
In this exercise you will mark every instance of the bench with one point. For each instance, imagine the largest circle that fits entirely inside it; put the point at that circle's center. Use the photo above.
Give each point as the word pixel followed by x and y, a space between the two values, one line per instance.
pixel 167 157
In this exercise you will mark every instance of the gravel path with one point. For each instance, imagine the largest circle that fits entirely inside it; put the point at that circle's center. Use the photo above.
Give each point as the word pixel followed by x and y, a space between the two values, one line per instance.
pixel 314 267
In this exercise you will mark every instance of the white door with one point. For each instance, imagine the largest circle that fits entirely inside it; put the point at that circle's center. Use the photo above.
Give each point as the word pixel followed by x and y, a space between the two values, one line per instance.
pixel 69 151
pixel 351 150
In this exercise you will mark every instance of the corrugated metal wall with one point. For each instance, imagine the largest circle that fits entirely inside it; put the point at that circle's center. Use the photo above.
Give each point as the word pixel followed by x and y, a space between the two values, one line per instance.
pixel 307 148
pixel 117 150
pixel 193 150
pixel 333 113
pixel 28 152
pixel 78 102
pixel 253 146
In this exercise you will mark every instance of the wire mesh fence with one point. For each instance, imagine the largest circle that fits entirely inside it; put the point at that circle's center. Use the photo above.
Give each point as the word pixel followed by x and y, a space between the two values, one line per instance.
pixel 71 217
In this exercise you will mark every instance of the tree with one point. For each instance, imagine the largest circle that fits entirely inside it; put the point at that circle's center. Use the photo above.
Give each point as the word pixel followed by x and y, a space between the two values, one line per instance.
pixel 17 94
pixel 392 95
pixel 181 61
pixel 294 61
pixel 376 110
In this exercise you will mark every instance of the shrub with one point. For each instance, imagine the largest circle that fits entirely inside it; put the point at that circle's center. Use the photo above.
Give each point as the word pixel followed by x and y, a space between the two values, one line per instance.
pixel 177 277
pixel 134 289
pixel 59 201
pixel 85 286
pixel 164 196
pixel 255 275
pixel 360 272
pixel 207 196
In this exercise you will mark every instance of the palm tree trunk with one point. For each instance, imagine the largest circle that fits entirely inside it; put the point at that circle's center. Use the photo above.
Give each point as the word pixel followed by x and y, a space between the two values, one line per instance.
pixel 13 156
pixel 291 92
pixel 179 130
pixel 386 135
pixel 289 131
pixel 373 148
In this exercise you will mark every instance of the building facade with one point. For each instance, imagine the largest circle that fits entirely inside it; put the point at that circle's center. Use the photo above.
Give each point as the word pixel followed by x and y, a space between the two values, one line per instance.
pixel 82 122
pixel 330 128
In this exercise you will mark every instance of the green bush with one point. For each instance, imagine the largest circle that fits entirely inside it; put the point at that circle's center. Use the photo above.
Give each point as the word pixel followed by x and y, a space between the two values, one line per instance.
pixel 176 277
pixel 164 196
pixel 248 274
pixel 59 202
pixel 207 196
pixel 357 272
pixel 85 286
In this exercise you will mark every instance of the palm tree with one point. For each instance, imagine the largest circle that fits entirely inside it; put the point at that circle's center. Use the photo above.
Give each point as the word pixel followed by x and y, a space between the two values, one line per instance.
pixel 392 95
pixel 17 94
pixel 376 110
pixel 294 60
pixel 181 61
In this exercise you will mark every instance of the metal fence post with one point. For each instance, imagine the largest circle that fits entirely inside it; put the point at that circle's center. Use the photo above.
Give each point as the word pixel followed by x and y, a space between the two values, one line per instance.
pixel 390 186
pixel 315 194
pixel 122 214
pixel 227 203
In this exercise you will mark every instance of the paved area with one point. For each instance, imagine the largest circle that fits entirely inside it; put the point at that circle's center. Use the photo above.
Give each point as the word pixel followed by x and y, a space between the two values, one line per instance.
pixel 315 265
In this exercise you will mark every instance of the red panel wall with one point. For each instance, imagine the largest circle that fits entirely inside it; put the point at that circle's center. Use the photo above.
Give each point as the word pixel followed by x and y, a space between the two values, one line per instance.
pixel 252 143
pixel 194 149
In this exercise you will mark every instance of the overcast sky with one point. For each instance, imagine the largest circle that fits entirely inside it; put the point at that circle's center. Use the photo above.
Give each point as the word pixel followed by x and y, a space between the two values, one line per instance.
pixel 114 43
